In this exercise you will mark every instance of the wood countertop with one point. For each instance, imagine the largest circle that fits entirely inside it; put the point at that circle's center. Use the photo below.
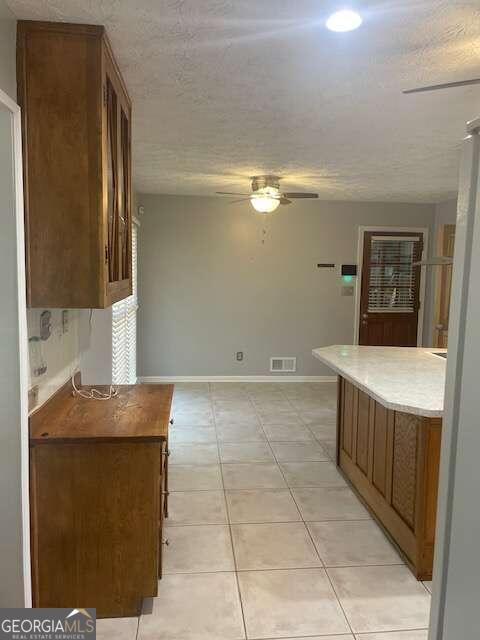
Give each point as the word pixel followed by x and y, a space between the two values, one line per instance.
pixel 138 412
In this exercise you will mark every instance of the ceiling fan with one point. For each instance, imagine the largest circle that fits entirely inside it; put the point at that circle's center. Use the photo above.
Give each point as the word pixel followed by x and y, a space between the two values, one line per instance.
pixel 445 85
pixel 266 195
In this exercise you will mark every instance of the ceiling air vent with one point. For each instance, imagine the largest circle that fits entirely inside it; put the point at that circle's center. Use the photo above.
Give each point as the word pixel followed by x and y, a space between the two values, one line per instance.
pixel 283 365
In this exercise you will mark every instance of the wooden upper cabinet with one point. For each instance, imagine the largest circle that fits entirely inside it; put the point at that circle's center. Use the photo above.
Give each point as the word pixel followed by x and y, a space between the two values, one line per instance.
pixel 76 117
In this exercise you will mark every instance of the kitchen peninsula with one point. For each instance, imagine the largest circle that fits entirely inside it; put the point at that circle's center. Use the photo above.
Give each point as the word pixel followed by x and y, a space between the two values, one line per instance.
pixel 389 424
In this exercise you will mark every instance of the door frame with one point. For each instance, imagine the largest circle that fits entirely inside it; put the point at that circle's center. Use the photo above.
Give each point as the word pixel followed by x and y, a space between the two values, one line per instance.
pixel 14 109
pixel 456 561
pixel 358 288
pixel 439 281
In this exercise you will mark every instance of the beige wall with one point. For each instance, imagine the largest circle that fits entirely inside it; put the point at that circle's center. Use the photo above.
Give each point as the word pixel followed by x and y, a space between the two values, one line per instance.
pixel 212 283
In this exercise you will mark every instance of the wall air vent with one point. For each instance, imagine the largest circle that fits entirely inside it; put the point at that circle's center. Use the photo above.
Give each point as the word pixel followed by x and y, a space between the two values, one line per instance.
pixel 280 365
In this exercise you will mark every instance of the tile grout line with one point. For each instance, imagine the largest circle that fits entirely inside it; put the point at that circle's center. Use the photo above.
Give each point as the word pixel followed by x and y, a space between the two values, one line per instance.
pixel 227 511
pixel 357 636
pixel 138 623
pixel 263 570
pixel 307 522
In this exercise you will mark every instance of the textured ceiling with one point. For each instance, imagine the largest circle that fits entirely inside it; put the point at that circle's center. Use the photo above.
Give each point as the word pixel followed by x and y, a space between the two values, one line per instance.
pixel 225 89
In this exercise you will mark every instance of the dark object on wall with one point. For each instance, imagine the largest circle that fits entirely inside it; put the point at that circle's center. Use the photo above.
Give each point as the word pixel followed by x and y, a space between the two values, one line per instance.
pixel 349 269
pixel 38 365
pixel 326 265
pixel 76 125
pixel 45 325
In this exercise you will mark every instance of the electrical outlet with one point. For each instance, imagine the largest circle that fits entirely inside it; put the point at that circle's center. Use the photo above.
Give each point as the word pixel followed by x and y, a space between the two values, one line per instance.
pixel 32 398
pixel 239 356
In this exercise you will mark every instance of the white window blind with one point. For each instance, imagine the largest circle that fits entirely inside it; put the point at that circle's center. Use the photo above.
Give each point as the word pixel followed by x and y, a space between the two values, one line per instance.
pixel 124 329
pixel 392 284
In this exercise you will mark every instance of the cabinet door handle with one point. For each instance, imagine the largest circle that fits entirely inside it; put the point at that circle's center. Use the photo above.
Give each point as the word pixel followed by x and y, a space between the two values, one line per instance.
pixel 171 421
pixel 166 542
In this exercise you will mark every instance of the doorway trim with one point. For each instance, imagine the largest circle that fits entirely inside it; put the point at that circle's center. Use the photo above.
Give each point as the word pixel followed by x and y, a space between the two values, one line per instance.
pixel 14 109
pixel 358 288
pixel 439 279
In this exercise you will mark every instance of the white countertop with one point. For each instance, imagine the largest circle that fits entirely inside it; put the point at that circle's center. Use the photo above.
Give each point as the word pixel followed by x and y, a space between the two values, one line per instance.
pixel 407 379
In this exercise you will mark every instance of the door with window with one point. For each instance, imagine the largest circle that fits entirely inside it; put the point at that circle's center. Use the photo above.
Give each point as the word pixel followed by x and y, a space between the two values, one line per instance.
pixel 390 288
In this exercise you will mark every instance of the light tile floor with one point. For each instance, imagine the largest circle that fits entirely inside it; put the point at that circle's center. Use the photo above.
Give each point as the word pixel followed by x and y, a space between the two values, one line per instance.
pixel 266 539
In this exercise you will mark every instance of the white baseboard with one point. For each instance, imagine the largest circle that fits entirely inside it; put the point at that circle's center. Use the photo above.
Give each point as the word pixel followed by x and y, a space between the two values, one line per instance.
pixel 275 378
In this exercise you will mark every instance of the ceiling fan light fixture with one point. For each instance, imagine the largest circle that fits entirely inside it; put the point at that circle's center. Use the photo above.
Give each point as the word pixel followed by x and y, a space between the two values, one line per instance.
pixel 264 203
pixel 266 199
pixel 344 20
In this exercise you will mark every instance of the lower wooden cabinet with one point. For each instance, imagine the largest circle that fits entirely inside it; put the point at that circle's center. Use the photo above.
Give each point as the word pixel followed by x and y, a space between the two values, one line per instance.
pixel 98 501
pixel 392 459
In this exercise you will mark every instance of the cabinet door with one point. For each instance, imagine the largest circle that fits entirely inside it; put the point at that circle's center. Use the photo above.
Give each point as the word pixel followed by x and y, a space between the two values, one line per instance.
pixel 112 176
pixel 125 185
pixel 118 218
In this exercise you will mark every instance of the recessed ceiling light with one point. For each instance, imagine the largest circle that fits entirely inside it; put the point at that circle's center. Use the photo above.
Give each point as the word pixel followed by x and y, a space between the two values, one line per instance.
pixel 344 20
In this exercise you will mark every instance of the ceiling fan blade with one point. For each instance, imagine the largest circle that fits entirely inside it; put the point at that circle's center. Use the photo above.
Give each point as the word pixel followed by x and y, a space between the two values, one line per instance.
pixel 231 193
pixel 237 201
pixel 446 85
pixel 284 200
pixel 300 195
